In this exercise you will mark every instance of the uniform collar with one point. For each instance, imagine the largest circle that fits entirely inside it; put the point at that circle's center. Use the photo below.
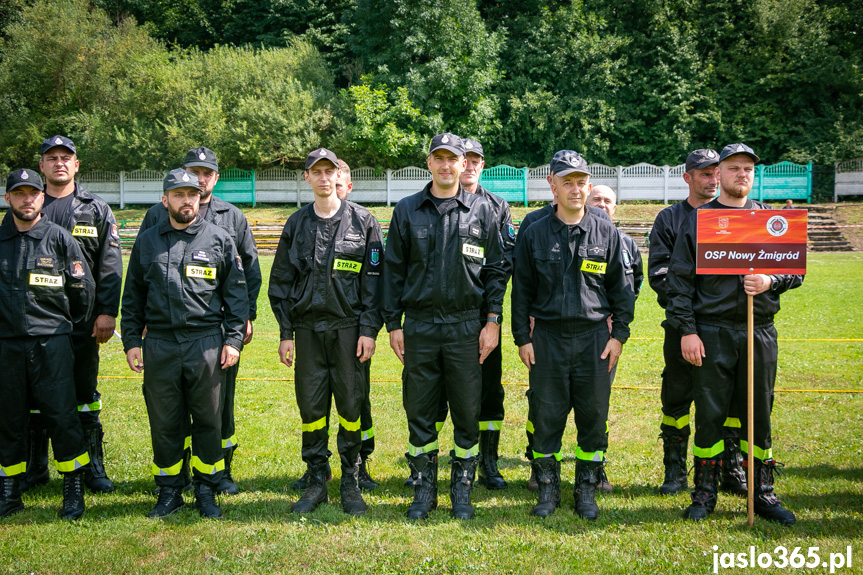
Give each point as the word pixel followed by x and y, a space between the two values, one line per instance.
pixel 557 224
pixel 460 197
pixel 8 229
pixel 335 217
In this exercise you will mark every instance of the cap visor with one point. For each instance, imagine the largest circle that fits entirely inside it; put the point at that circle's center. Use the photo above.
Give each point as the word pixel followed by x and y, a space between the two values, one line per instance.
pixel 751 155
pixel 569 171
pixel 202 164
pixel 705 164
pixel 22 184
pixel 448 148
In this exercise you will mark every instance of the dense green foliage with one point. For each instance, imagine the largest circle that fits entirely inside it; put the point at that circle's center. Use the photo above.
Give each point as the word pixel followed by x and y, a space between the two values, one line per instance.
pixel 263 81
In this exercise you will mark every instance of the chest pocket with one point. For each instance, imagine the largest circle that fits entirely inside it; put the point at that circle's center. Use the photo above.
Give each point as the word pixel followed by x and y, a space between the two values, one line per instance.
pixel 199 270
pixel 348 258
pixel 593 258
pixel 84 227
pixel 421 242
pixel 472 239
pixel 43 274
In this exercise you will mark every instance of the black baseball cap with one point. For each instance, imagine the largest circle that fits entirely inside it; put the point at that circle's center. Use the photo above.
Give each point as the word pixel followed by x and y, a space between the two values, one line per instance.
pixel 201 156
pixel 734 149
pixel 471 145
pixel 180 178
pixel 701 159
pixel 23 177
pixel 55 141
pixel 447 141
pixel 566 162
pixel 316 156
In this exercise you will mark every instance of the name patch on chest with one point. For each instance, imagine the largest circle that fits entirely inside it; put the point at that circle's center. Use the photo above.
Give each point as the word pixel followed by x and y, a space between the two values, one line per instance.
pixel 85 231
pixel 473 251
pixel 200 272
pixel 593 267
pixel 46 280
pixel 347 265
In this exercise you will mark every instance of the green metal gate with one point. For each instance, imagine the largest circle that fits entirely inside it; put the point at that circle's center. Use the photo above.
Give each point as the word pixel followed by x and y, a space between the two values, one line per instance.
pixel 507 182
pixel 236 186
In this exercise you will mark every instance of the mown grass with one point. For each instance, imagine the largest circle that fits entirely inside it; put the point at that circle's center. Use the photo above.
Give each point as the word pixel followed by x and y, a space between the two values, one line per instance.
pixel 818 435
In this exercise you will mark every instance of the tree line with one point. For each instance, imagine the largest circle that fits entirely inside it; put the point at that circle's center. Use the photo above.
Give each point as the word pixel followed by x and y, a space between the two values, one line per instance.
pixel 138 82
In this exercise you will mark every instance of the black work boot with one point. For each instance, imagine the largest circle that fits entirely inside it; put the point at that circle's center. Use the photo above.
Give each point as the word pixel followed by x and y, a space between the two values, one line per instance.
pixel 424 468
pixel 37 459
pixel 365 480
pixel 95 477
pixel 73 495
pixel 10 496
pixel 674 459
pixel 169 502
pixel 705 492
pixel 349 489
pixel 547 473
pixel 316 492
pixel 227 485
pixel 604 485
pixel 302 483
pixel 733 476
pixel 586 481
pixel 205 501
pixel 767 505
pixel 489 474
pixel 461 484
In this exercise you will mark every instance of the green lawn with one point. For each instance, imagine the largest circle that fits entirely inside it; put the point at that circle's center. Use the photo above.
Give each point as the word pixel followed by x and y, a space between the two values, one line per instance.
pixel 818 435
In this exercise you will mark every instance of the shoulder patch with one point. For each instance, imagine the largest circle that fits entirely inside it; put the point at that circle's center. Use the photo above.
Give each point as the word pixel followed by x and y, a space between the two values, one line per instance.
pixel 77 269
pixel 374 256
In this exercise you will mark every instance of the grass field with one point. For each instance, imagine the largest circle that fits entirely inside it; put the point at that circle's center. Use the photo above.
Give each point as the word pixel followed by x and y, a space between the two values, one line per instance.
pixel 818 434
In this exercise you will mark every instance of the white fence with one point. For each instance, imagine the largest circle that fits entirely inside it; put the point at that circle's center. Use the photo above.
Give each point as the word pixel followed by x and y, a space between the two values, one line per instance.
pixel 849 179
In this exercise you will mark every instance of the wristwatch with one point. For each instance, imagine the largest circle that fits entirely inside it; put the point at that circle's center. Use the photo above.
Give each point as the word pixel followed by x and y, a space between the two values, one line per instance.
pixel 498 319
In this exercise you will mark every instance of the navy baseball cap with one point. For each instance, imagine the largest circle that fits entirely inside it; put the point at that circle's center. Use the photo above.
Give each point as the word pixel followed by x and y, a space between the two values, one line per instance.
pixel 471 145
pixel 734 149
pixel 23 177
pixel 180 178
pixel 701 159
pixel 55 141
pixel 316 156
pixel 566 162
pixel 201 156
pixel 447 141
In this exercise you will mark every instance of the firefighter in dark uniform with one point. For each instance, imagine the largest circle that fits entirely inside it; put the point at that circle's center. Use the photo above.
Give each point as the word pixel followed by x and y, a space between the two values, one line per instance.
pixel 570 278
pixel 47 288
pixel 185 284
pixel 604 198
pixel 530 219
pixel 702 177
pixel 344 186
pixel 89 219
pixel 709 313
pixel 324 291
pixel 203 163
pixel 445 274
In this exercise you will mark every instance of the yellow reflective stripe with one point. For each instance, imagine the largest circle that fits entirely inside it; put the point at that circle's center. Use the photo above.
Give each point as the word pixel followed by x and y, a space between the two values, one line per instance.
pixel 491 425
pixel 315 425
pixel 709 452
pixel 229 442
pixel 11 470
pixel 678 423
pixel 349 425
pixel 439 425
pixel 207 468
pixel 163 471
pixel 529 426
pixel 414 451
pixel 347 265
pixel 368 433
pixel 762 454
pixel 95 406
pixel 85 231
pixel 538 455
pixel 35 411
pixel 589 455
pixel 466 453
pixel 606 427
pixel 73 464
pixel 731 422
pixel 187 443
pixel 593 267
pixel 200 272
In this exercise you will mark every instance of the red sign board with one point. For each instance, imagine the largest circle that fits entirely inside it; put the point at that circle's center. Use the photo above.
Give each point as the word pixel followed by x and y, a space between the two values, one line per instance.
pixel 751 242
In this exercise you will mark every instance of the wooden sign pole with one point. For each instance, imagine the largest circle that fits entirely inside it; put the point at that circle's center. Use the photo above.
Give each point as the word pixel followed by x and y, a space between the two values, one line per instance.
pixel 750 406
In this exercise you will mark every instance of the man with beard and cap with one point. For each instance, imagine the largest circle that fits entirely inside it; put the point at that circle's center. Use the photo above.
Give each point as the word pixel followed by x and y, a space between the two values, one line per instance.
pixel 185 284
pixel 570 278
pixel 604 198
pixel 90 221
pixel 702 177
pixel 46 290
pixel 709 313
pixel 324 292
pixel 204 164
pixel 445 274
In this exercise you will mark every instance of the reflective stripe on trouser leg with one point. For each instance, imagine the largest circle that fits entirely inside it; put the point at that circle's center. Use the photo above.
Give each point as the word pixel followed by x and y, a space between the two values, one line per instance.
pixel 721 381
pixel 74 464
pixel 676 393
pixel 710 451
pixel 442 357
pixel 184 379
pixel 757 452
pixel 13 470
